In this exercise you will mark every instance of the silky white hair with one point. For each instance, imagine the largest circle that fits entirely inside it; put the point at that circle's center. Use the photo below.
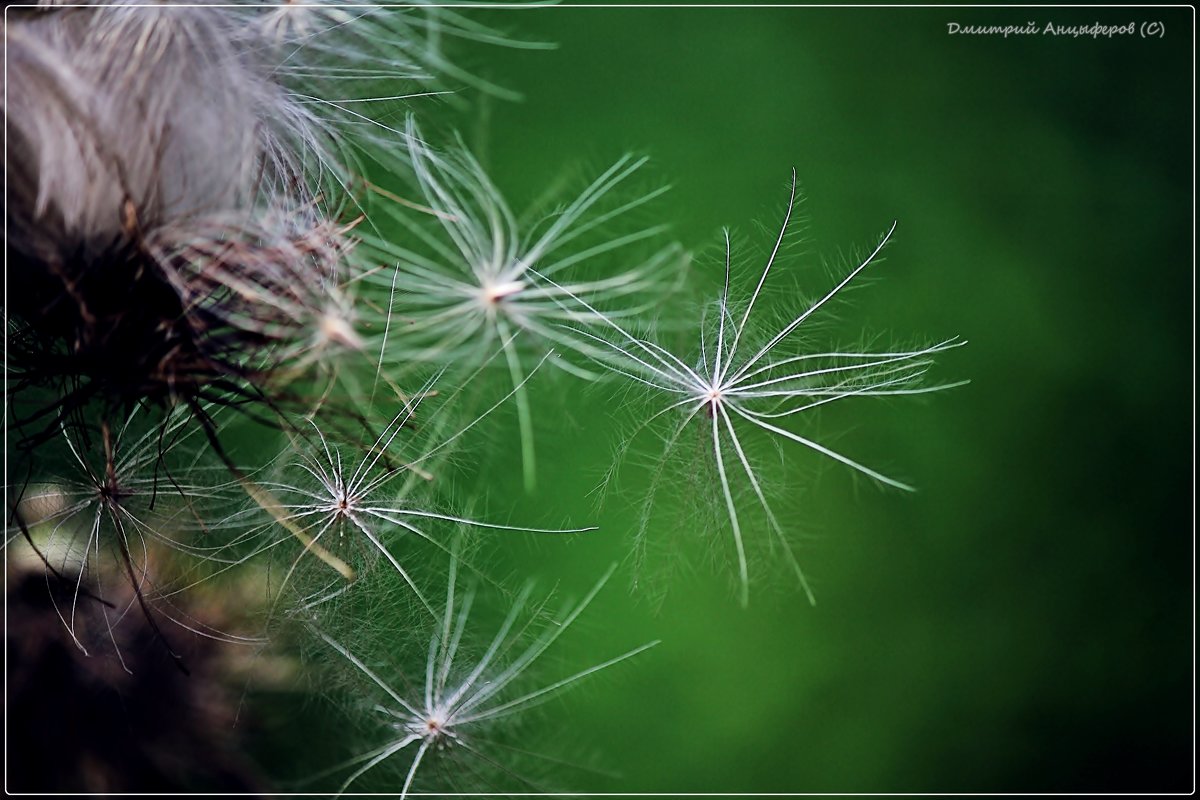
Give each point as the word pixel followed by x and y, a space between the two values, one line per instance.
pixel 123 117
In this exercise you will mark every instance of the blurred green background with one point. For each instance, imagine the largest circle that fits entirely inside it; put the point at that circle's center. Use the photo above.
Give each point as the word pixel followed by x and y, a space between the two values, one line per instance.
pixel 1023 622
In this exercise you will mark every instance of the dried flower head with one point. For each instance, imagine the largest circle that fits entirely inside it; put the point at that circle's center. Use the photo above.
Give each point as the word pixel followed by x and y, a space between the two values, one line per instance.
pixel 161 221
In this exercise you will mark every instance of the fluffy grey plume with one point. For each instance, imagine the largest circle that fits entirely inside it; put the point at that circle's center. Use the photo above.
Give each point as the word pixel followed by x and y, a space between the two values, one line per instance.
pixel 172 209
pixel 132 117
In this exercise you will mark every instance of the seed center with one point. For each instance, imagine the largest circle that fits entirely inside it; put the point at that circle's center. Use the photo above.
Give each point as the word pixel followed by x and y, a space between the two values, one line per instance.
pixel 495 293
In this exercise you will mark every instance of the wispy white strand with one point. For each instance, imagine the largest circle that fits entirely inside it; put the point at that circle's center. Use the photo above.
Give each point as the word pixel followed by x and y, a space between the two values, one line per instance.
pixel 450 713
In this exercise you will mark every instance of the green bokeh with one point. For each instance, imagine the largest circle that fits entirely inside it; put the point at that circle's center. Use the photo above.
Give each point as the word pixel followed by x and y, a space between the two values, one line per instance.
pixel 1024 622
pixel 1021 623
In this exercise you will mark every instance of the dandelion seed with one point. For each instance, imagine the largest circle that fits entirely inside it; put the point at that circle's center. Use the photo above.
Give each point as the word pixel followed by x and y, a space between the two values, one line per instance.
pixel 340 45
pixel 460 703
pixel 734 388
pixel 338 495
pixel 478 288
pixel 273 288
pixel 118 510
